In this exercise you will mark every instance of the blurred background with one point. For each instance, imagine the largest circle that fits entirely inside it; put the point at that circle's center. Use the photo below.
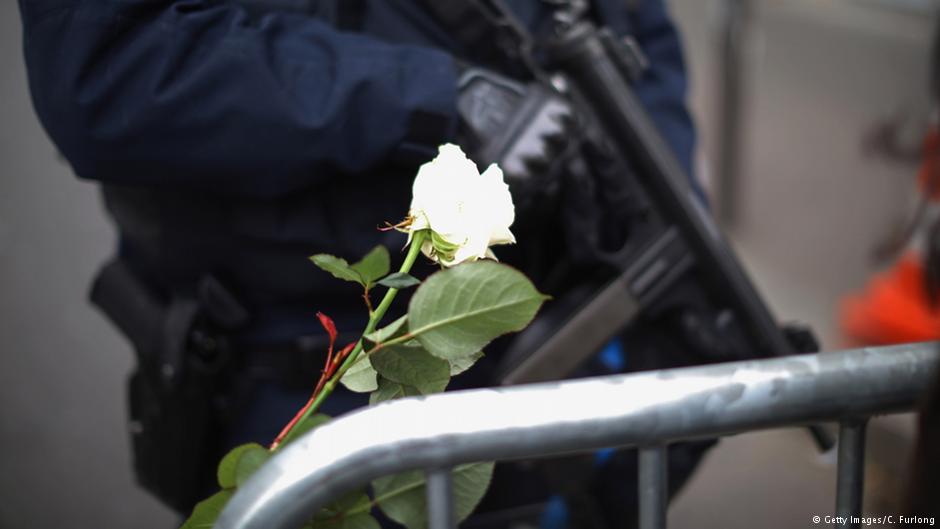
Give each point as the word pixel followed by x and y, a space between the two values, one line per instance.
pixel 789 95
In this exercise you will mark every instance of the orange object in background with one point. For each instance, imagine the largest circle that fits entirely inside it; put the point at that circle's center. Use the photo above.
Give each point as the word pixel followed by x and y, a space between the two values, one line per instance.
pixel 894 307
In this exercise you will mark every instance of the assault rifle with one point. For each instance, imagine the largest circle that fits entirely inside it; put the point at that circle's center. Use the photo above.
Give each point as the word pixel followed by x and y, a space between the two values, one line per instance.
pixel 675 263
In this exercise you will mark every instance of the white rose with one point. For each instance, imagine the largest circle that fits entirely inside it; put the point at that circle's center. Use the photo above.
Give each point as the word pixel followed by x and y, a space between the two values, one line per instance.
pixel 467 212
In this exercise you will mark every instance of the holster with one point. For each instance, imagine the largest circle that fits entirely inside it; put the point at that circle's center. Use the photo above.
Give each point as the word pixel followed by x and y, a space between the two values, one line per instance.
pixel 174 436
pixel 182 356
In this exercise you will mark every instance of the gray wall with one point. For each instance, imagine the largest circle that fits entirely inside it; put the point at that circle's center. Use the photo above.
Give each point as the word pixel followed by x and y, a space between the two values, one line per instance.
pixel 64 460
pixel 822 73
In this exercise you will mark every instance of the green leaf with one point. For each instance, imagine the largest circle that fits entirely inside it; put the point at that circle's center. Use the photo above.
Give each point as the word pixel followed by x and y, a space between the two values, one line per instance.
pixel 355 521
pixel 361 376
pixel 462 363
pixel 207 511
pixel 374 265
pixel 349 512
pixel 228 470
pixel 389 390
pixel 337 267
pixel 357 501
pixel 412 366
pixel 392 330
pixel 309 424
pixel 470 484
pixel 399 280
pixel 402 496
pixel 457 311
pixel 249 463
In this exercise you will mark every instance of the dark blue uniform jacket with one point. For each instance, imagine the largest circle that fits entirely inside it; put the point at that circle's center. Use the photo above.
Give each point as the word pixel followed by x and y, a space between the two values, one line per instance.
pixel 240 137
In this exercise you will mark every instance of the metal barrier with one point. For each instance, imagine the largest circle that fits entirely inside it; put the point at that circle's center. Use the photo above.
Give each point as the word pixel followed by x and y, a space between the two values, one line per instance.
pixel 646 410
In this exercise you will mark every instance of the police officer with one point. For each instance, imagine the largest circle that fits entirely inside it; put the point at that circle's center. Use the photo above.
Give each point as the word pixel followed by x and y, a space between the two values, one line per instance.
pixel 232 139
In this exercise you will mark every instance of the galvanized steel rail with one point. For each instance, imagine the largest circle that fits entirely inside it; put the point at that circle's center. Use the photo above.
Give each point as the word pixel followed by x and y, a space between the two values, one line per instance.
pixel 647 410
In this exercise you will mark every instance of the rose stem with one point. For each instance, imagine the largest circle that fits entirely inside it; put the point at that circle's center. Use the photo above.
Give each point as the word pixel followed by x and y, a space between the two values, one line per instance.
pixel 317 399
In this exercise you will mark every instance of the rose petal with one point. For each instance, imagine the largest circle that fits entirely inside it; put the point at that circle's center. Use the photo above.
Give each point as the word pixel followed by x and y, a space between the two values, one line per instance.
pixel 464 208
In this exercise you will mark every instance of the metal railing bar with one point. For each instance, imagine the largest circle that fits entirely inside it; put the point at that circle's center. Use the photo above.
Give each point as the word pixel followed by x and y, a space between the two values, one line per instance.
pixel 653 486
pixel 440 494
pixel 544 419
pixel 850 479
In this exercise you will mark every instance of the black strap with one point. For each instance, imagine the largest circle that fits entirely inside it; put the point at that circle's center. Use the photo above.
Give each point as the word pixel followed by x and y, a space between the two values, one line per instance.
pixel 484 38
pixel 462 19
pixel 349 14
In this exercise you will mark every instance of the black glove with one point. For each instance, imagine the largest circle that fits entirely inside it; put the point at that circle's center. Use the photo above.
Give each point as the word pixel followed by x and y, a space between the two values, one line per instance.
pixel 600 208
pixel 525 128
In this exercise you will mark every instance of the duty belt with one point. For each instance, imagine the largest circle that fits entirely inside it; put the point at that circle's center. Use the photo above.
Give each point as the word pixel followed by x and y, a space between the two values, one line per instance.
pixel 201 331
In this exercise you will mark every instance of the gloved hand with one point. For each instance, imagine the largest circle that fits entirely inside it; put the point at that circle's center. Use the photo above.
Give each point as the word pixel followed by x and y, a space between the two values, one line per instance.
pixel 524 127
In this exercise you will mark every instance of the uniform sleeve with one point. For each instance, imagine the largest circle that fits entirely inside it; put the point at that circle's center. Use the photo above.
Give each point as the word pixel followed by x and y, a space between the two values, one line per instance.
pixel 193 93
pixel 663 87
